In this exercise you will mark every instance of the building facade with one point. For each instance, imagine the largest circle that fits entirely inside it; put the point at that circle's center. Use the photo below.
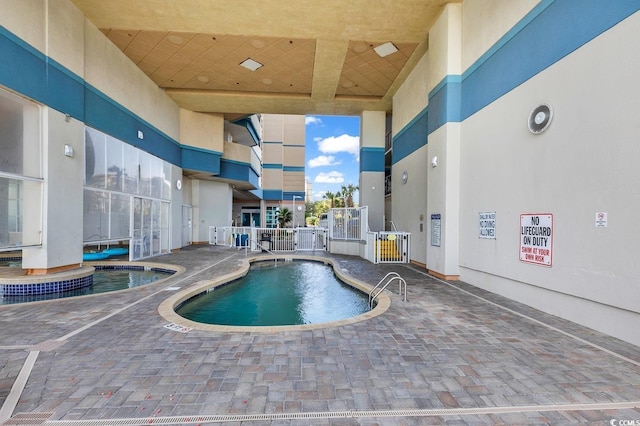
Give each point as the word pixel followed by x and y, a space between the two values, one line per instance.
pixel 513 160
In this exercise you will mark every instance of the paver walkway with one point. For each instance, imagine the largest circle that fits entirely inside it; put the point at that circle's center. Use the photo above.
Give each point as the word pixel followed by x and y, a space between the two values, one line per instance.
pixel 451 354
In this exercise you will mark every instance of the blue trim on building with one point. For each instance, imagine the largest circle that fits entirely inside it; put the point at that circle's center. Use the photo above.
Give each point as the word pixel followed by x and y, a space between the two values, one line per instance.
pixel 106 115
pixel 371 159
pixel 272 166
pixel 38 77
pixel 445 102
pixel 236 170
pixel 272 194
pixel 247 123
pixel 536 42
pixel 272 142
pixel 549 33
pixel 193 158
pixel 288 196
pixel 293 169
pixel 412 137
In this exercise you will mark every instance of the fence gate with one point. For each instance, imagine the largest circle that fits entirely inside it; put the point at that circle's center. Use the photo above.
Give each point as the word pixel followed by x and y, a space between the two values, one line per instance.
pixel 311 239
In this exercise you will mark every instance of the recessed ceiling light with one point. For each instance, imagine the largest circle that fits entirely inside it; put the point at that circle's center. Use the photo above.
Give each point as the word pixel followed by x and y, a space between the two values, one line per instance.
pixel 203 78
pixel 257 43
pixel 385 49
pixel 250 64
pixel 267 81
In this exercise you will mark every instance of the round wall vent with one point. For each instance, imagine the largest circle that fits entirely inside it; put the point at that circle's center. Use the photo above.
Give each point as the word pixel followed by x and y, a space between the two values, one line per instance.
pixel 540 118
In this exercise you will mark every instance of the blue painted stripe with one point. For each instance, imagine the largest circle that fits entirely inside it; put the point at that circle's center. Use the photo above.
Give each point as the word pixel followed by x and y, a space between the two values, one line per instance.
pixel 272 142
pixel 288 196
pixel 539 40
pixel 293 169
pixel 445 103
pixel 106 115
pixel 193 158
pixel 294 145
pixel 552 30
pixel 412 137
pixel 38 77
pixel 272 166
pixel 371 159
pixel 272 194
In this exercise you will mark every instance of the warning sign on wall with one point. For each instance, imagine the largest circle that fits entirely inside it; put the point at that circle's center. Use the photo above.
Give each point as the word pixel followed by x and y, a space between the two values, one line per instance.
pixel 536 238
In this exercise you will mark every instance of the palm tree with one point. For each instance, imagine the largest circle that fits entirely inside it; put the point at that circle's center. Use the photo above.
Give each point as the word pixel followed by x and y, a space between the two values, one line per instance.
pixel 331 197
pixel 347 193
pixel 284 216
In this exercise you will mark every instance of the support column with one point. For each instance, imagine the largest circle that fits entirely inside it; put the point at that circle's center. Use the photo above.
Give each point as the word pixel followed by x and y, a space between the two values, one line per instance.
pixel 62 213
pixel 372 136
pixel 443 149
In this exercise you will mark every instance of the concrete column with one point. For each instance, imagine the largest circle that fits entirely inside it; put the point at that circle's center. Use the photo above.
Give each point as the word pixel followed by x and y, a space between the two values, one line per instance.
pixel 372 135
pixel 443 148
pixel 62 212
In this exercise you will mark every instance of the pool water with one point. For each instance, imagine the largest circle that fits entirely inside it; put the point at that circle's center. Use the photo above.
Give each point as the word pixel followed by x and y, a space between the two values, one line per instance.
pixel 285 293
pixel 104 280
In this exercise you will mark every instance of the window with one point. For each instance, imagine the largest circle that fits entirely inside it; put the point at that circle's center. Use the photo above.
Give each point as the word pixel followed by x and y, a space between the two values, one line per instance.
pixel 20 173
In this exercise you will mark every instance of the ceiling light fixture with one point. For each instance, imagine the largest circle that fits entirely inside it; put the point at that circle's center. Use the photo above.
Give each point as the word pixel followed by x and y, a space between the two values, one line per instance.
pixel 250 64
pixel 385 49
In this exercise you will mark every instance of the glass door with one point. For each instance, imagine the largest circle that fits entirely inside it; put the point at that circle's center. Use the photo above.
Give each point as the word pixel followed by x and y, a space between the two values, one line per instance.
pixel 187 217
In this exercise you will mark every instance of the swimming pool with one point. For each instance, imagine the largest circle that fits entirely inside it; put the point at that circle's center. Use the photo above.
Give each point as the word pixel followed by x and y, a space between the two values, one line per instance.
pixel 106 278
pixel 284 293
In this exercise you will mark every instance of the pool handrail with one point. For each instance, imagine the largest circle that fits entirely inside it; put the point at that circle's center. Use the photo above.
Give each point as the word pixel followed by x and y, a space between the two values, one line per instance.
pixel 275 260
pixel 373 294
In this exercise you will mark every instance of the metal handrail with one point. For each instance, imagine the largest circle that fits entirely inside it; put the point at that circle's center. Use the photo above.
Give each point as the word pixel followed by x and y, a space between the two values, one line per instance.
pixel 275 260
pixel 394 276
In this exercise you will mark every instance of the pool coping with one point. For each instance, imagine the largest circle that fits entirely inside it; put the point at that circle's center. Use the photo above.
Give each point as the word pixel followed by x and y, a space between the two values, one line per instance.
pixel 177 270
pixel 166 308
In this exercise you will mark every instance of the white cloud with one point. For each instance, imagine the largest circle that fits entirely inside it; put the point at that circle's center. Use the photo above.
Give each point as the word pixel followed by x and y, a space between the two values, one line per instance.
pixel 331 177
pixel 309 119
pixel 323 160
pixel 343 143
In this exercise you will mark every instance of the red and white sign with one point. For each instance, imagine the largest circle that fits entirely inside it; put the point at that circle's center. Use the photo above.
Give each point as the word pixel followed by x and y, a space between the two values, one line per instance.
pixel 536 238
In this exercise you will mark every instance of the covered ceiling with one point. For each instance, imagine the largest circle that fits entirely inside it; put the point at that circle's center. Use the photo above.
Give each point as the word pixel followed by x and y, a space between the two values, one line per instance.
pixel 316 57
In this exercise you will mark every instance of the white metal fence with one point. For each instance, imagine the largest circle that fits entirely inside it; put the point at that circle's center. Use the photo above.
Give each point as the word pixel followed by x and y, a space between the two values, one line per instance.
pixel 272 239
pixel 388 247
pixel 348 225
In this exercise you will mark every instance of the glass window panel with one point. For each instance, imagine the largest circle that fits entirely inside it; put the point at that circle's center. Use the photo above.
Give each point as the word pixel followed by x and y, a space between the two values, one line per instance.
pixel 115 164
pixel 155 227
pixel 130 169
pixel 157 177
pixel 95 158
pixel 19 136
pixel 120 216
pixel 96 215
pixel 146 227
pixel 166 187
pixel 144 184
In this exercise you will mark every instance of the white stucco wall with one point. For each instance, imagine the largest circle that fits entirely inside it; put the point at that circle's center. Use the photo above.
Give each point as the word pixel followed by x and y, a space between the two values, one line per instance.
pixel 212 206
pixel 412 96
pixel 483 26
pixel 584 163
pixel 111 72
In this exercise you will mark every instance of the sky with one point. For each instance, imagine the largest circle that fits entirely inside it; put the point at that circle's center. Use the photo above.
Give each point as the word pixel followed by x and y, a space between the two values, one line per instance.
pixel 332 153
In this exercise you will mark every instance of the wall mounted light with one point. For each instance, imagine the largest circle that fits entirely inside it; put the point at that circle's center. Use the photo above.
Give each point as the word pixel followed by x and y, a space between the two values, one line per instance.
pixel 68 151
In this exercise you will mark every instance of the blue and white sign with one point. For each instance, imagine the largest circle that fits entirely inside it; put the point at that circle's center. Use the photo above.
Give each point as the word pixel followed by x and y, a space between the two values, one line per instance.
pixel 487 225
